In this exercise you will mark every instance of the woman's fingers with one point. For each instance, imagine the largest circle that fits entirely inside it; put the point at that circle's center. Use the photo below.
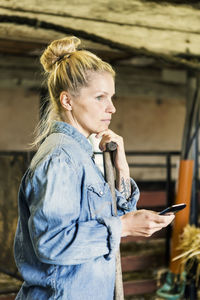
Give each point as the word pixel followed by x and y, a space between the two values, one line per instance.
pixel 158 219
pixel 103 132
pixel 166 220
pixel 108 136
pixel 144 222
pixel 120 161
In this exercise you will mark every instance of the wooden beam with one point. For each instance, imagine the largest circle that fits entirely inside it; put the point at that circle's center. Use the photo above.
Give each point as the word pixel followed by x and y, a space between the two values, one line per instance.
pixel 153 29
pixel 152 199
pixel 146 82
pixel 20 47
pixel 139 287
pixel 141 262
pixel 158 15
pixel 34 49
pixel 130 81
pixel 8 297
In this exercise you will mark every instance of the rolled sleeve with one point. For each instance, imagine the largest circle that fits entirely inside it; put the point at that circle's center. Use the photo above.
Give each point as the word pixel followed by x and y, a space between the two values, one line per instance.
pixel 113 225
pixel 126 205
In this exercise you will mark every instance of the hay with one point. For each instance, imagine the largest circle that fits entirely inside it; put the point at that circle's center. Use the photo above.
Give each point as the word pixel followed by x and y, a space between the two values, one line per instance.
pixel 189 245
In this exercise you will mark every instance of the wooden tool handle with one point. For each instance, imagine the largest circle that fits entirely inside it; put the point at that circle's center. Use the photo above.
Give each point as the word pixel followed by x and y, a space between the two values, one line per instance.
pixel 112 146
pixel 109 175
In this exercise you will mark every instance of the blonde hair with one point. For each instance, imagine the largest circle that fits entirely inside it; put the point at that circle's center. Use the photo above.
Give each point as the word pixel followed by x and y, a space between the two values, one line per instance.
pixel 67 69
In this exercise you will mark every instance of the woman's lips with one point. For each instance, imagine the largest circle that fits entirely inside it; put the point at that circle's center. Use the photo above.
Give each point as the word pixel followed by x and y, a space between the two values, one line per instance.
pixel 106 120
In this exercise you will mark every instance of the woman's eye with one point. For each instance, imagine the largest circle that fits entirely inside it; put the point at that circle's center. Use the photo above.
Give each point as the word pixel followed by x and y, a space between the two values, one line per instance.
pixel 99 98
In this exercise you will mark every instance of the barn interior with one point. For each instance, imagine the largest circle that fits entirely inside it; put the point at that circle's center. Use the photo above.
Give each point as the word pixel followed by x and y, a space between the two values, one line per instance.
pixel 154 48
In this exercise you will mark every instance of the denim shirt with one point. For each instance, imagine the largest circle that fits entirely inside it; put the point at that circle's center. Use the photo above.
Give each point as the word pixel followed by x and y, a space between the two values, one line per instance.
pixel 67 234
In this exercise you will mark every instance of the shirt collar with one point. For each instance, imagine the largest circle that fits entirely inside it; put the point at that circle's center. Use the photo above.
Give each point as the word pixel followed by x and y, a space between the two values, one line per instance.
pixel 63 127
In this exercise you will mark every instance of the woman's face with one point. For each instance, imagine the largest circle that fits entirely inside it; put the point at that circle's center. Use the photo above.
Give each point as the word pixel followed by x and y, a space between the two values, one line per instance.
pixel 92 109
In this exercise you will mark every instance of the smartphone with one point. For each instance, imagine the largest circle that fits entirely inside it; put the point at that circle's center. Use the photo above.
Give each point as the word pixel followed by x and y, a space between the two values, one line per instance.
pixel 174 208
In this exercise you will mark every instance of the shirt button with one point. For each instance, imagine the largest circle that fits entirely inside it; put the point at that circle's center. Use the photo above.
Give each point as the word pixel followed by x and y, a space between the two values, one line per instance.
pixel 101 193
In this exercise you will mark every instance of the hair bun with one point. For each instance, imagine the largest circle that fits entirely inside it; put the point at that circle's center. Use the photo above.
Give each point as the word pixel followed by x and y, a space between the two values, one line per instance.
pixel 57 49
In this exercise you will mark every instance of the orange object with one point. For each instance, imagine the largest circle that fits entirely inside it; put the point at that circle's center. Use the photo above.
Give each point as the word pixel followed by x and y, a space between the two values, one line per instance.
pixel 183 195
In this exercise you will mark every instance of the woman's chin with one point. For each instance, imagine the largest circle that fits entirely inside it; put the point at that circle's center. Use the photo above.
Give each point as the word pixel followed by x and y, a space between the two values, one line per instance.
pixel 105 127
pixel 100 129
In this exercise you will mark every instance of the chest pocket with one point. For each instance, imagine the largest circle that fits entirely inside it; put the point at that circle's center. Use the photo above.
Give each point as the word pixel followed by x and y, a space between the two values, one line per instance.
pixel 99 200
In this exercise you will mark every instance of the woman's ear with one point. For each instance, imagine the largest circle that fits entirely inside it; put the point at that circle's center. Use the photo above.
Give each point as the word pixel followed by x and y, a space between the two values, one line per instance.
pixel 65 100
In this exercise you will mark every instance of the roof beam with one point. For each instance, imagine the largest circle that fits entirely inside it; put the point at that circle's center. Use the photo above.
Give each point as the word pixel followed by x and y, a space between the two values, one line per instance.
pixel 167 32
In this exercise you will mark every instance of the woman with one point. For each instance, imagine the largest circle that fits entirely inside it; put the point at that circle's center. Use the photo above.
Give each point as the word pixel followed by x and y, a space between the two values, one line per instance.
pixel 67 233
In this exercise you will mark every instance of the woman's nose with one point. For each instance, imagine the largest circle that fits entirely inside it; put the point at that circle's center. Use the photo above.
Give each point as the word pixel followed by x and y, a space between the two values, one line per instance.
pixel 110 107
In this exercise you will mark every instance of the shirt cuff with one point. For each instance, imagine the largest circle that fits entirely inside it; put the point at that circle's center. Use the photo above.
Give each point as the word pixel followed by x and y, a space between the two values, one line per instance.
pixel 126 205
pixel 114 228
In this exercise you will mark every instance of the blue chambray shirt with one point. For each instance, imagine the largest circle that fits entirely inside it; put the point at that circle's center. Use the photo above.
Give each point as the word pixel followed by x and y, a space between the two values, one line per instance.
pixel 67 234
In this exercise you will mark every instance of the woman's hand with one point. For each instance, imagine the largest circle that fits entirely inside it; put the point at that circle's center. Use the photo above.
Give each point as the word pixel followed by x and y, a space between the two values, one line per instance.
pixel 120 158
pixel 144 223
pixel 121 165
